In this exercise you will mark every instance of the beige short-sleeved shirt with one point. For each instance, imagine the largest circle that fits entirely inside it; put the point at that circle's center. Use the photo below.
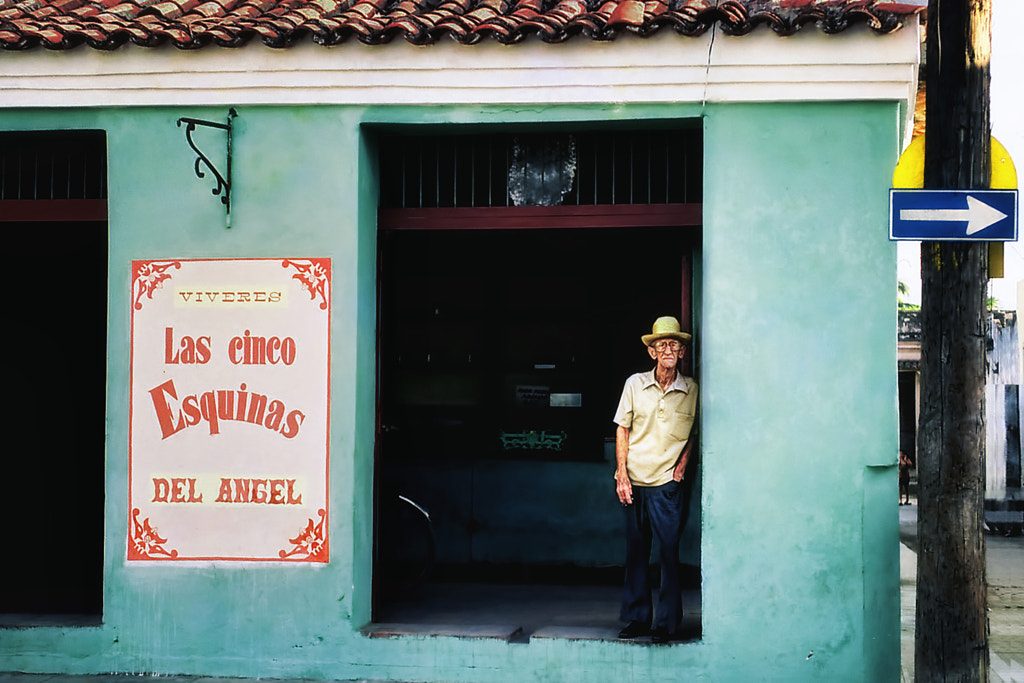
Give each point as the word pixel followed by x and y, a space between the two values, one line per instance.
pixel 659 425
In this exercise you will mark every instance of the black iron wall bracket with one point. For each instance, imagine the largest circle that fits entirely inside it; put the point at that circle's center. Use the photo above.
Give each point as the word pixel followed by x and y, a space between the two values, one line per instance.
pixel 223 179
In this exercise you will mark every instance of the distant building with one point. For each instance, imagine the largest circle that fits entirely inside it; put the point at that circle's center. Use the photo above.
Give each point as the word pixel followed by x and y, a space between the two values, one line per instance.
pixel 1004 503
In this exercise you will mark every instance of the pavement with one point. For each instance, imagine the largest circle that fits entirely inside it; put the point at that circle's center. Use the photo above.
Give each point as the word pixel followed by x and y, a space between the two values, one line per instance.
pixel 1004 573
pixel 1004 567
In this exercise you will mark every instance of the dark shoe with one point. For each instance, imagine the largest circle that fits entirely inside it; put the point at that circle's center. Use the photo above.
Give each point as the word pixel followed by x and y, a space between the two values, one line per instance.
pixel 661 636
pixel 634 629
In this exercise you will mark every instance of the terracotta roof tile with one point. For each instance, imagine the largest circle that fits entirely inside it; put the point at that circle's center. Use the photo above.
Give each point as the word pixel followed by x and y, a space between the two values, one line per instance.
pixel 190 24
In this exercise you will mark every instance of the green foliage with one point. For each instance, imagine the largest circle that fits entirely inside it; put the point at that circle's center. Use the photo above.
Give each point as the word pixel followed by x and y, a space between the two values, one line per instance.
pixel 902 290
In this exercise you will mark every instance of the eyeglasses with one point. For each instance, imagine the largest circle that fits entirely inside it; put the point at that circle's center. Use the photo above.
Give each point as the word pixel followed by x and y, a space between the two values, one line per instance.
pixel 667 346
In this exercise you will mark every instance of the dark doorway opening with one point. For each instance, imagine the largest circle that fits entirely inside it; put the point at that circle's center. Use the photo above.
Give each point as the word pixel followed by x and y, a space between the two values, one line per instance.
pixel 53 214
pixel 908 412
pixel 502 357
pixel 57 476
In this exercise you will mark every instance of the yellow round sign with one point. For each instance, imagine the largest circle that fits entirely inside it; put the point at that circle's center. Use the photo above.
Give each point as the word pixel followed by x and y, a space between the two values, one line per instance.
pixel 909 173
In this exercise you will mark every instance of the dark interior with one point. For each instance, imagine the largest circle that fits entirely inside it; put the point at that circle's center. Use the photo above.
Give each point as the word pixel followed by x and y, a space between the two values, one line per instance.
pixel 53 531
pixel 479 327
pixel 56 271
pixel 502 357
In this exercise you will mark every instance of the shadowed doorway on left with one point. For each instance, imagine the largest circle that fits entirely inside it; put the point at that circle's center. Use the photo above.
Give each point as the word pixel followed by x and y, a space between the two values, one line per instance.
pixel 53 213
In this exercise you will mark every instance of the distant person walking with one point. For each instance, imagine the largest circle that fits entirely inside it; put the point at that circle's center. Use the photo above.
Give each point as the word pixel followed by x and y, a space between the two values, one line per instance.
pixel 905 466
pixel 653 444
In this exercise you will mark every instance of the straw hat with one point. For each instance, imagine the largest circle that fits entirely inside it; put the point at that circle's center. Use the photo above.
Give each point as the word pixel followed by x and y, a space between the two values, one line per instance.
pixel 665 327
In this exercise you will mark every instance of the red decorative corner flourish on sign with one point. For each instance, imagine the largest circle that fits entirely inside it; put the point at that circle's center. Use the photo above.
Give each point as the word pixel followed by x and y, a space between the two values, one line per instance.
pixel 147 277
pixel 145 542
pixel 315 276
pixel 311 544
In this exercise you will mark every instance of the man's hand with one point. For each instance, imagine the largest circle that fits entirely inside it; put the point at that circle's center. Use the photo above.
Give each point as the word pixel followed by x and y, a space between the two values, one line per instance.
pixel 623 487
pixel 680 469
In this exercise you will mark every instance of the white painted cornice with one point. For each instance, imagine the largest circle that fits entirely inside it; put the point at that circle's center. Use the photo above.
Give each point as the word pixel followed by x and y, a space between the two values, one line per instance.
pixel 856 64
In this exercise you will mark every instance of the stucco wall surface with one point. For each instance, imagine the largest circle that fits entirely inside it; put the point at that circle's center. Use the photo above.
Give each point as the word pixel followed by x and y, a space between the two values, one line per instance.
pixel 799 540
pixel 800 560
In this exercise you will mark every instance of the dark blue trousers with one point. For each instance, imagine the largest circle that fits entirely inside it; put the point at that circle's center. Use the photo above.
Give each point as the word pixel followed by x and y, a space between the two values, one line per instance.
pixel 657 512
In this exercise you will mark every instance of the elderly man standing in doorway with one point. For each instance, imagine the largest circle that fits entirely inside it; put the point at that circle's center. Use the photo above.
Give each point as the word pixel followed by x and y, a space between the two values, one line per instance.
pixel 652 448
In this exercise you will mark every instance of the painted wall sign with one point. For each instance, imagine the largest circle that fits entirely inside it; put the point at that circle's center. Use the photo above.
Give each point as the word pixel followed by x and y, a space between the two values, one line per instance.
pixel 228 448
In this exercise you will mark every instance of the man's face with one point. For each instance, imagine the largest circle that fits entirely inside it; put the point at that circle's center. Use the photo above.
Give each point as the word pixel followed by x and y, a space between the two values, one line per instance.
pixel 667 353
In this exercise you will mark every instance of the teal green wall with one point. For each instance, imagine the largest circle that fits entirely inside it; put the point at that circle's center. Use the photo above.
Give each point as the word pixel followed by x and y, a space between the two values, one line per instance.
pixel 798 371
pixel 799 391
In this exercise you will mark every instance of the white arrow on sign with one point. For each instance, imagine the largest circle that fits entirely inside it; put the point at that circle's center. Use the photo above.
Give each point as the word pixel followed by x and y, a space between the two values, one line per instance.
pixel 978 215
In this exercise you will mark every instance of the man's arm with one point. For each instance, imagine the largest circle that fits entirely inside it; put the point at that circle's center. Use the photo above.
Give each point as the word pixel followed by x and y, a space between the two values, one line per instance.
pixel 684 458
pixel 622 486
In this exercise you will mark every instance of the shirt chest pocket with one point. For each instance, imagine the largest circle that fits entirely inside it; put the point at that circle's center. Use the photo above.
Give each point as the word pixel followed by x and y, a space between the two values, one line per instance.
pixel 682 422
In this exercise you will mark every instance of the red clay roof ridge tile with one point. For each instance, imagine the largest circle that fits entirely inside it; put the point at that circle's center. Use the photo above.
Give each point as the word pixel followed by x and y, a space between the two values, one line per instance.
pixel 191 24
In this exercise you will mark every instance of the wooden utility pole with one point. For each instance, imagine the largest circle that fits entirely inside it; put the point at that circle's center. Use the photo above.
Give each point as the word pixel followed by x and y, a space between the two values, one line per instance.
pixel 952 622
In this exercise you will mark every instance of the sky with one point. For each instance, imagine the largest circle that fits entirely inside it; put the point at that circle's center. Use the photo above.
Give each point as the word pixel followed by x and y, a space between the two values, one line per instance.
pixel 1007 102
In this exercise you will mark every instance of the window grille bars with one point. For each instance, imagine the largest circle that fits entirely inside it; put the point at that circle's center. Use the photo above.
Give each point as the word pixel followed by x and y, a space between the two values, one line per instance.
pixel 655 166
pixel 53 165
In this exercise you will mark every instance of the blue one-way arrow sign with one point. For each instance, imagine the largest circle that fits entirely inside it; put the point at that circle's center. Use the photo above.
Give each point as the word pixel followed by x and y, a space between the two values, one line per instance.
pixel 982 215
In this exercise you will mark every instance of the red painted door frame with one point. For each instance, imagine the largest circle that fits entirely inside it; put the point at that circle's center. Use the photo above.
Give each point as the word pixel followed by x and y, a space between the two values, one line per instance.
pixel 18 210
